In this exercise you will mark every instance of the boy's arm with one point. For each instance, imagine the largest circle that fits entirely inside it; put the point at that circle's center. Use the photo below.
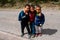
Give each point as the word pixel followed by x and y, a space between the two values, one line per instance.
pixel 43 19
pixel 19 17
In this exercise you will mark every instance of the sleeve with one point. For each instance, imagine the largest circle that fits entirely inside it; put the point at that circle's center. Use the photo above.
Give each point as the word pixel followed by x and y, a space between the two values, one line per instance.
pixel 19 17
pixel 43 19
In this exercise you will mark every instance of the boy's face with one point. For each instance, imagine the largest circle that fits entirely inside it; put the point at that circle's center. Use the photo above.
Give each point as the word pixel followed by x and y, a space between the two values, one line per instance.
pixel 31 9
pixel 38 9
pixel 27 8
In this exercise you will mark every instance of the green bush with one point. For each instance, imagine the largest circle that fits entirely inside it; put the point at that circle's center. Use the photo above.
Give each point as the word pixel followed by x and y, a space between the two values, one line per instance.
pixel 55 0
pixel 13 2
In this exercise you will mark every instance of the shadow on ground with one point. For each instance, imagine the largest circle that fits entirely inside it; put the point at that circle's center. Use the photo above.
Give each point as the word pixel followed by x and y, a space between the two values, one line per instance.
pixel 49 31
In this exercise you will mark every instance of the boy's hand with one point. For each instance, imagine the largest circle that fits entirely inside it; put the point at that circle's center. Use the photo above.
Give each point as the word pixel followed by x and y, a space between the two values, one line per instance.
pixel 26 13
pixel 40 24
pixel 23 16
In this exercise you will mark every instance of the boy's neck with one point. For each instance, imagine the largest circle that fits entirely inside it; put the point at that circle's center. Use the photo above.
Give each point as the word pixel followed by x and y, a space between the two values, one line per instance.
pixel 39 14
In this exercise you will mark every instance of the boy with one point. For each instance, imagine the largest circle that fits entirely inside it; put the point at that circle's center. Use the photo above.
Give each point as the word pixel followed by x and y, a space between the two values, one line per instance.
pixel 31 19
pixel 24 18
pixel 39 20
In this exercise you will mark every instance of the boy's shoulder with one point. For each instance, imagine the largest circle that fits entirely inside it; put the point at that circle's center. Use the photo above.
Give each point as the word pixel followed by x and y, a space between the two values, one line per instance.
pixel 21 11
pixel 42 14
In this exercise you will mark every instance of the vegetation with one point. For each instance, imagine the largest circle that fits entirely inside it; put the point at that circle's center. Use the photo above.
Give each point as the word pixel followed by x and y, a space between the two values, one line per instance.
pixel 11 3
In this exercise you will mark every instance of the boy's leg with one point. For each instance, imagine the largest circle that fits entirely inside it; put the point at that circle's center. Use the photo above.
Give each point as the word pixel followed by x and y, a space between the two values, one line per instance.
pixel 22 28
pixel 31 27
pixel 36 28
pixel 34 31
pixel 40 31
pixel 40 28
pixel 28 29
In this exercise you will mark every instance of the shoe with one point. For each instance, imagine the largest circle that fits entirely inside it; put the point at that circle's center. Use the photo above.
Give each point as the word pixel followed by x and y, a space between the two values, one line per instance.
pixel 40 34
pixel 37 35
pixel 22 35
pixel 29 36
pixel 33 36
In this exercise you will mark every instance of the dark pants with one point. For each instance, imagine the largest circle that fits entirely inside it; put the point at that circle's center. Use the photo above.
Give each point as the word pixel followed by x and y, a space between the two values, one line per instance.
pixel 23 25
pixel 32 26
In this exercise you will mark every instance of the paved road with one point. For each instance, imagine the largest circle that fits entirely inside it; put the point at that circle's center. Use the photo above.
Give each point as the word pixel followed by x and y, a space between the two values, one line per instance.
pixel 10 26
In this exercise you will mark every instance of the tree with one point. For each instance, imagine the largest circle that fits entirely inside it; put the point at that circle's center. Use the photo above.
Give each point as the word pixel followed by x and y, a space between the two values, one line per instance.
pixel 3 2
pixel 12 2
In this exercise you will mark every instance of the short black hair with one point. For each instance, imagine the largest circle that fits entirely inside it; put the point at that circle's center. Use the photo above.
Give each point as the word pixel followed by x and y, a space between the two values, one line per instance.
pixel 38 6
pixel 32 6
pixel 27 5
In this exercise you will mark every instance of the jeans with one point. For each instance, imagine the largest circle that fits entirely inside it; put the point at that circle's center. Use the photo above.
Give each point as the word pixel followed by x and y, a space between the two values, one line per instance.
pixel 32 26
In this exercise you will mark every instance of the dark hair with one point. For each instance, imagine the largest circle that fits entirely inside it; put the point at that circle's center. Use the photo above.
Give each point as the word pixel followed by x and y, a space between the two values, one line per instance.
pixel 27 5
pixel 38 6
pixel 32 6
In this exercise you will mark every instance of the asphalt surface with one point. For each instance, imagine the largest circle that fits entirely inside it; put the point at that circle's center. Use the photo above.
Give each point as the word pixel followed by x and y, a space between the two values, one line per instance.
pixel 10 26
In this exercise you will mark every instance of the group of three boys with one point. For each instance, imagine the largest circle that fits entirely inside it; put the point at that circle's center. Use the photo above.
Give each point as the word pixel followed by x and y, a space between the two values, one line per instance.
pixel 34 17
